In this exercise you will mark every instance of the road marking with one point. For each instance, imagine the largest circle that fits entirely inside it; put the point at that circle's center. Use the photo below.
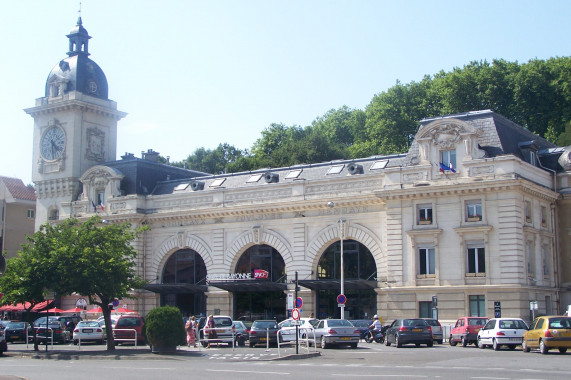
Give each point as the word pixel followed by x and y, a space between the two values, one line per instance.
pixel 491 378
pixel 353 375
pixel 233 370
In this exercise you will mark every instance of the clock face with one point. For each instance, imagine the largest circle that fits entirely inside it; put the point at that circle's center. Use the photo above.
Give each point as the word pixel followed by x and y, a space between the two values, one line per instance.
pixel 53 143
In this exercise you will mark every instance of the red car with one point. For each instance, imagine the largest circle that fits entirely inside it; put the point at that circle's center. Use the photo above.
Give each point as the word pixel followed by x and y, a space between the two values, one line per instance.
pixel 128 327
pixel 466 329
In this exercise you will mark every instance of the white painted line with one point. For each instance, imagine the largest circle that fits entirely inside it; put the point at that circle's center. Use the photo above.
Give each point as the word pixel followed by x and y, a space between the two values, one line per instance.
pixel 233 370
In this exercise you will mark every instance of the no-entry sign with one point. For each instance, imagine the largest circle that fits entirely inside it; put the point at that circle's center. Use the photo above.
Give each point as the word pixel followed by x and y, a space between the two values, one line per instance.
pixel 295 314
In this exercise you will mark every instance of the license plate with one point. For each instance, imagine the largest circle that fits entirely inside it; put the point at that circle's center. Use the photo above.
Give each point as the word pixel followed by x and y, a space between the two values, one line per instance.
pixel 515 340
pixel 345 338
pixel 87 330
pixel 15 337
pixel 262 339
pixel 417 330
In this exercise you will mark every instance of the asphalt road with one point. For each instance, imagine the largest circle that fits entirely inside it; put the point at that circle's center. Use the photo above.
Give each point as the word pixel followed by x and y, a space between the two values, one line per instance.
pixel 368 361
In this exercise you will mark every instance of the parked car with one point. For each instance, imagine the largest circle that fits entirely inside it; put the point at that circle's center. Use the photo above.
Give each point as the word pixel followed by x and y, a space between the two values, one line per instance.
pixel 223 326
pixel 65 319
pixel 55 327
pixel 330 332
pixel 3 344
pixel 306 329
pixel 88 331
pixel 101 322
pixel 436 327
pixel 502 332
pixel 123 330
pixel 362 325
pixel 405 331
pixel 16 330
pixel 263 331
pixel 466 330
pixel 3 324
pixel 548 332
pixel 241 332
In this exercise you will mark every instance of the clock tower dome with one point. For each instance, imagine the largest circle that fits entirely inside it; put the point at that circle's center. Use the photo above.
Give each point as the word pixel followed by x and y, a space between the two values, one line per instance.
pixel 75 128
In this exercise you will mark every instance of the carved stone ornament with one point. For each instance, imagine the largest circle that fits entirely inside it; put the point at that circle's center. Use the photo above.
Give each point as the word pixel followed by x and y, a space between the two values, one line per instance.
pixel 95 145
pixel 565 159
pixel 446 136
pixel 256 234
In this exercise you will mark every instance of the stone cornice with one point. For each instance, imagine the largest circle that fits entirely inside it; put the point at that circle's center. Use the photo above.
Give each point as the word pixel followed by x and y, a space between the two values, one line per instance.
pixel 435 189
pixel 75 105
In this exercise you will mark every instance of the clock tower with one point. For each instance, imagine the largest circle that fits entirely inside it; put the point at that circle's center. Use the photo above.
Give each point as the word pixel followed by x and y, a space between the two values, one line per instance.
pixel 75 128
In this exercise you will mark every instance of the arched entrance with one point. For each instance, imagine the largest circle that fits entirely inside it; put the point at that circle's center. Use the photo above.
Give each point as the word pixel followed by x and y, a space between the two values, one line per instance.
pixel 267 301
pixel 183 282
pixel 360 273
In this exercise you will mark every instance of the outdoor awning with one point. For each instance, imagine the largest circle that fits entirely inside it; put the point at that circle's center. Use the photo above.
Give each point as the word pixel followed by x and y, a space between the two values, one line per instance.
pixel 244 286
pixel 24 306
pixel 175 288
pixel 354 284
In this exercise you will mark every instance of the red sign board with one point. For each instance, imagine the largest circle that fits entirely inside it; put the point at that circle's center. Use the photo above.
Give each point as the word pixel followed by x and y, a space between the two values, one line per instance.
pixel 295 314
pixel 261 274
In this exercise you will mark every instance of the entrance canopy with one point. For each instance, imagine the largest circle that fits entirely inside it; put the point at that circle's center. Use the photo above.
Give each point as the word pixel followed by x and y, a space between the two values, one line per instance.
pixel 244 286
pixel 351 284
pixel 175 288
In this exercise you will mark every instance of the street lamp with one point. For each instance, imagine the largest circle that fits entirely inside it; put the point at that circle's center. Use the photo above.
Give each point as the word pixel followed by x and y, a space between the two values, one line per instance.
pixel 341 233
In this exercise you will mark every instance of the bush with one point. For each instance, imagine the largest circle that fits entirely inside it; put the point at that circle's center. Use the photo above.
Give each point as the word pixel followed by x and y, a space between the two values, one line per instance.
pixel 164 326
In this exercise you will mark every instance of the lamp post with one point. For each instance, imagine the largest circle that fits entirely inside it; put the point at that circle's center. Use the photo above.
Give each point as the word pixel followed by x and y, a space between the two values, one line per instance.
pixel 340 227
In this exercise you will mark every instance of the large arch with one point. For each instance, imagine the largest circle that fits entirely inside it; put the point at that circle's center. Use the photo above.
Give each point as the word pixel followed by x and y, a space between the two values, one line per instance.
pixel 330 234
pixel 250 238
pixel 175 243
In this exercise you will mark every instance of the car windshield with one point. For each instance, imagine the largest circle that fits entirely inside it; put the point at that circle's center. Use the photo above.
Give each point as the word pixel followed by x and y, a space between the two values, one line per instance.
pixel 88 324
pixel 432 322
pixel 339 323
pixel 560 323
pixel 476 321
pixel 511 324
pixel 16 325
pixel 222 322
pixel 239 325
pixel 265 325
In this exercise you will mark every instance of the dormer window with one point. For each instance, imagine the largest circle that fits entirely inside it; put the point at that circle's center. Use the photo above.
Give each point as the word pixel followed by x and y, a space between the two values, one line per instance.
pixel 448 159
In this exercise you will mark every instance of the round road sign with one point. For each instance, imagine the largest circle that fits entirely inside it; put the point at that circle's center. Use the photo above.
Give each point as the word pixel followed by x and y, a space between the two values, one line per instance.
pixel 341 299
pixel 298 302
pixel 295 314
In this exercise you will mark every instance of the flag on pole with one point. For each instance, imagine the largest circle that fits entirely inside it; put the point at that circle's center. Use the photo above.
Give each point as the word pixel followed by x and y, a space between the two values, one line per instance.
pixel 447 168
pixel 94 207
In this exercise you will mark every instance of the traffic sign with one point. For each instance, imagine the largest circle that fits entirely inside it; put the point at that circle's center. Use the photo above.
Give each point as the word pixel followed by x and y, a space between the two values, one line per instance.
pixel 295 314
pixel 298 303
pixel 115 302
pixel 341 299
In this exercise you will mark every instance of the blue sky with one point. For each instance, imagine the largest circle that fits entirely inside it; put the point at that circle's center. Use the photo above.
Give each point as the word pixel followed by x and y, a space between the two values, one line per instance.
pixel 195 74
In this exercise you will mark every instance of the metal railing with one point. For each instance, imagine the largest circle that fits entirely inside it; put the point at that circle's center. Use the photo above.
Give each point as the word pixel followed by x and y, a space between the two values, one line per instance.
pixel 300 339
pixel 134 340
pixel 217 339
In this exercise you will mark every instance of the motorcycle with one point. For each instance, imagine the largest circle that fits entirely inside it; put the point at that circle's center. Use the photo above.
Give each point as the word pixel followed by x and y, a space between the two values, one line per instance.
pixel 376 335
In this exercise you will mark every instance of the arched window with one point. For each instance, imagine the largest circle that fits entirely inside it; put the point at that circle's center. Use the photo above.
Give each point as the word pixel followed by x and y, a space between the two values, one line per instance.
pixel 184 267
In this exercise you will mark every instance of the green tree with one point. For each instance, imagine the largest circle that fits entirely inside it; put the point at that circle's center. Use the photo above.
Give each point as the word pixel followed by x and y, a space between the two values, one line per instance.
pixel 91 258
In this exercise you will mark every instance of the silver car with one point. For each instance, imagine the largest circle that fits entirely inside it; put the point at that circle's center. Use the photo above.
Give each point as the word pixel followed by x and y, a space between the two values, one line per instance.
pixel 336 332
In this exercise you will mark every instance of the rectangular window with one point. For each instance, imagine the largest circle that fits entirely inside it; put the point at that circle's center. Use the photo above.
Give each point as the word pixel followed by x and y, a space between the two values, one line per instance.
pixel 477 306
pixel 426 262
pixel 473 211
pixel 31 213
pixel 530 257
pixel 476 260
pixel 543 216
pixel 545 261
pixel 424 214
pixel 527 205
pixel 448 158
pixel 425 309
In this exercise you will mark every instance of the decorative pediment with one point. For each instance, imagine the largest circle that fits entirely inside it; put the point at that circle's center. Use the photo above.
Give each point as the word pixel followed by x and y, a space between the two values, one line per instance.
pixel 99 178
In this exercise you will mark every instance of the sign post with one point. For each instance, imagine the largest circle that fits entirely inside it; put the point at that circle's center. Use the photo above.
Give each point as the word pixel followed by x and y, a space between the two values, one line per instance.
pixel 341 299
pixel 497 309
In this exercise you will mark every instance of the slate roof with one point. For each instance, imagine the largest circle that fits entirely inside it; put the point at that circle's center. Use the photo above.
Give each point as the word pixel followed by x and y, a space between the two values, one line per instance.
pixel 308 172
pixel 17 189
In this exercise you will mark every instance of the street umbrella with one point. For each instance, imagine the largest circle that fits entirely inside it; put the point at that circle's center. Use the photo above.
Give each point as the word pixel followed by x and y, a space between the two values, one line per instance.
pixel 52 310
pixel 123 310
pixel 96 310
pixel 74 310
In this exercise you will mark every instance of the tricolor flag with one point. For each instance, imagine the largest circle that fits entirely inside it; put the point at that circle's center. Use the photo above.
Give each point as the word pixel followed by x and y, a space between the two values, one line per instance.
pixel 94 207
pixel 447 168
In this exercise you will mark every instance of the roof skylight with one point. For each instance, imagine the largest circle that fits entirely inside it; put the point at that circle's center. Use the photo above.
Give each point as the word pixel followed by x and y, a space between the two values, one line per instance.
pixel 379 165
pixel 254 178
pixel 293 174
pixel 218 182
pixel 181 186
pixel 335 169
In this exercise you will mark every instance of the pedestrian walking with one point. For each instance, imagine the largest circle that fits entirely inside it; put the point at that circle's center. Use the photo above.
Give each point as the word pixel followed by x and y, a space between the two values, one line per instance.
pixel 190 328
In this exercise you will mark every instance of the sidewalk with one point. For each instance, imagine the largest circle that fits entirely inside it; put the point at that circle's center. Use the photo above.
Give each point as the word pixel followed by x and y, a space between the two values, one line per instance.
pixel 99 352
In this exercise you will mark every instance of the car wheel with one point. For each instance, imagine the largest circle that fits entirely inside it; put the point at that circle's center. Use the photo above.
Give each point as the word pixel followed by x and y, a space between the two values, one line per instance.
pixel 439 341
pixel 430 344
pixel 397 342
pixel 417 344
pixel 562 350
pixel 495 345
pixel 452 341
pixel 524 346
pixel 464 341
pixel 100 341
pixel 387 343
pixel 542 347
pixel 511 347
pixel 75 341
pixel 353 345
pixel 251 344
pixel 323 343
pixel 480 344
